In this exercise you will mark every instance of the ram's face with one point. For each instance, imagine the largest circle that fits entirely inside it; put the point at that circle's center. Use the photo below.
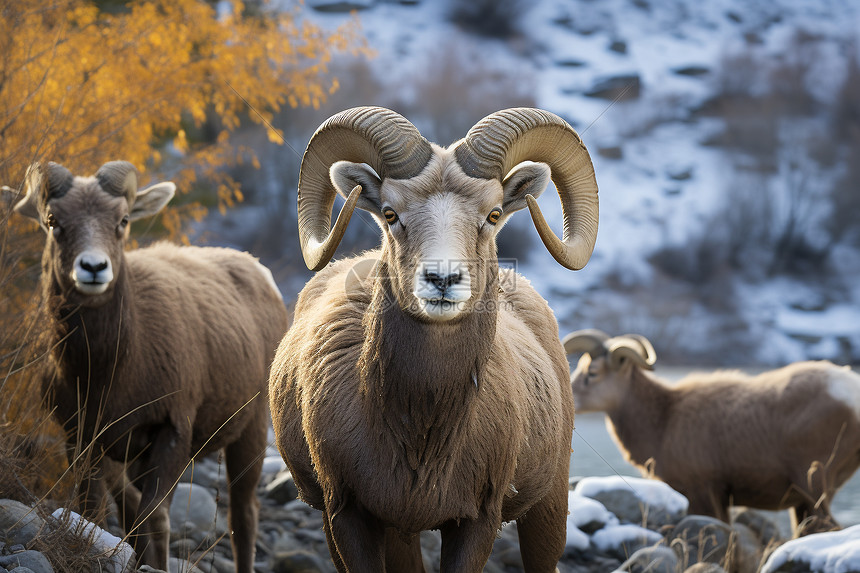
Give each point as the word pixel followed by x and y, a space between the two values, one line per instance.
pixel 595 385
pixel 439 235
pixel 86 230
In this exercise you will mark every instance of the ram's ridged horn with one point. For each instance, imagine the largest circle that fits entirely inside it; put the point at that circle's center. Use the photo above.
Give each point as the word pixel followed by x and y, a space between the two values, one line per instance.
pixel 119 178
pixel 506 138
pixel 633 346
pixel 589 340
pixel 383 139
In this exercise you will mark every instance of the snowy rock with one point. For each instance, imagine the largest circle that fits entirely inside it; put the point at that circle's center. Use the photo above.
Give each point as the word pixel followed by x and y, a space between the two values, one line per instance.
pixel 111 552
pixel 765 529
pixel 704 568
pixel 623 540
pixel 636 500
pixel 651 560
pixel 831 552
pixel 19 522
pixel 32 560
pixel 587 514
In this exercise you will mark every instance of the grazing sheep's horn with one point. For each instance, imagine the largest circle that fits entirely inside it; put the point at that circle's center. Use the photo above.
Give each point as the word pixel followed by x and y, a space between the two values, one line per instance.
pixel 383 139
pixel 119 178
pixel 633 346
pixel 42 184
pixel 589 340
pixel 506 138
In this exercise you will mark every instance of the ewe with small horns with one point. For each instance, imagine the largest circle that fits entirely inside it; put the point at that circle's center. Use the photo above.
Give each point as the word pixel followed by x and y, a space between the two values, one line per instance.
pixel 787 438
pixel 158 354
pixel 420 385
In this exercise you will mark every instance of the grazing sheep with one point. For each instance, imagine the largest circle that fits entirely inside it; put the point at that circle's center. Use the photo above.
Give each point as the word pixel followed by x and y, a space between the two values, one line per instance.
pixel 787 438
pixel 158 355
pixel 420 386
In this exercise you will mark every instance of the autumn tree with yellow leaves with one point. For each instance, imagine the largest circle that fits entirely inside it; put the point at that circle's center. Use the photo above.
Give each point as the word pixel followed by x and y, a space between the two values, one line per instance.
pixel 160 83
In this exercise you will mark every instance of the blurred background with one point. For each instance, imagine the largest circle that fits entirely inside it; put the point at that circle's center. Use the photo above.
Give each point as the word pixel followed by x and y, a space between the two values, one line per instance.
pixel 725 137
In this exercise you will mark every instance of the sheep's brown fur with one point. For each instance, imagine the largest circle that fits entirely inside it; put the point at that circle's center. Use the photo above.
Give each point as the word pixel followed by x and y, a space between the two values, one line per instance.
pixel 406 399
pixel 786 438
pixel 169 363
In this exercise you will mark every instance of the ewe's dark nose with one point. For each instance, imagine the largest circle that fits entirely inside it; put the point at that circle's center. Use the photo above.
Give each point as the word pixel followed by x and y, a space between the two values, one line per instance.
pixel 93 266
pixel 442 282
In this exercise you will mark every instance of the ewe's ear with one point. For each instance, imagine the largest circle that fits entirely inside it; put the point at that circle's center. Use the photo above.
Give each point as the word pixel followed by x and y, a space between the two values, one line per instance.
pixel 152 200
pixel 345 175
pixel 527 178
pixel 34 181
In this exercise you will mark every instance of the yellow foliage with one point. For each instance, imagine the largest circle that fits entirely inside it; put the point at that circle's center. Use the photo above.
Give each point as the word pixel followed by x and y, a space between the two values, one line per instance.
pixel 82 86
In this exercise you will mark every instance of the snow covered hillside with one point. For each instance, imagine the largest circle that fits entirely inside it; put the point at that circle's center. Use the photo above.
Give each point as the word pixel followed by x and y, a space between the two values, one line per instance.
pixel 724 136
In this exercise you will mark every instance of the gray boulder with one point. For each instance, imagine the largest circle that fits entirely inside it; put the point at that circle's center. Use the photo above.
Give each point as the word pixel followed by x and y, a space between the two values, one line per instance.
pixel 32 560
pixel 19 522
pixel 193 508
pixel 658 559
pixel 282 489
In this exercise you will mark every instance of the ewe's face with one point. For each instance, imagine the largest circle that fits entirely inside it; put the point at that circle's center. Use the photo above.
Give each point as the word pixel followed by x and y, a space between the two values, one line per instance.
pixel 439 235
pixel 86 228
pixel 596 387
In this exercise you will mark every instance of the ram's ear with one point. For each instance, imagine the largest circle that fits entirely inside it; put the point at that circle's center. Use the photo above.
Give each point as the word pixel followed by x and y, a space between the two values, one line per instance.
pixel 151 200
pixel 345 175
pixel 527 178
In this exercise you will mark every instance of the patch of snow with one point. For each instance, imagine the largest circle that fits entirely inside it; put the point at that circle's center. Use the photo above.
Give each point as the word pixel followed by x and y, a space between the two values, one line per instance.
pixel 583 510
pixel 651 493
pixel 576 539
pixel 616 535
pixel 833 552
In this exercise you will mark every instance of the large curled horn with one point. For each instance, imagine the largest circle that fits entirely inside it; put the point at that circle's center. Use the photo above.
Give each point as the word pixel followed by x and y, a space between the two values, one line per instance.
pixel 383 139
pixel 633 346
pixel 589 340
pixel 119 178
pixel 41 184
pixel 506 138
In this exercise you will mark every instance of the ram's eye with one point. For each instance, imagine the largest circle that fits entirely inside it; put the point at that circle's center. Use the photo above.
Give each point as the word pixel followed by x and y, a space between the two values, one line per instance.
pixel 390 215
pixel 494 216
pixel 124 222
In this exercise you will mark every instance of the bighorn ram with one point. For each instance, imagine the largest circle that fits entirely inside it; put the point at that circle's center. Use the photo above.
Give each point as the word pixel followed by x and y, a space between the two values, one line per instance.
pixel 158 354
pixel 420 386
pixel 787 438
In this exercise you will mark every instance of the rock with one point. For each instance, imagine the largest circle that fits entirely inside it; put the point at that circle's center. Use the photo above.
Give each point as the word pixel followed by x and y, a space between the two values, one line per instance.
pixel 282 489
pixel 619 541
pixel 692 71
pixel 819 552
pixel 618 46
pixel 194 508
pixel 622 87
pixel 177 565
pixel 705 568
pixel 19 522
pixel 636 500
pixel 207 472
pixel 298 562
pixel 340 5
pixel 611 152
pixel 698 538
pixel 33 560
pixel 273 465
pixel 658 559
pixel 765 529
